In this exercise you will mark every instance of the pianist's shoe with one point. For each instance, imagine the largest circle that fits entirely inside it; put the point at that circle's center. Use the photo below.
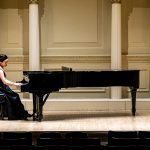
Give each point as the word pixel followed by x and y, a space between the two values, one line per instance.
pixel 26 116
pixel 29 115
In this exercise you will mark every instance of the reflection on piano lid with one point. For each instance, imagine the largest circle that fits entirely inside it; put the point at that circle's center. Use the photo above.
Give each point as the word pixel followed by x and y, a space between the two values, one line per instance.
pixel 62 68
pixel 66 68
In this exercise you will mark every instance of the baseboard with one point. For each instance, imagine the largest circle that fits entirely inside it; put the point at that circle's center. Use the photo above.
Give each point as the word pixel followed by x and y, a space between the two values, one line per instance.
pixel 89 104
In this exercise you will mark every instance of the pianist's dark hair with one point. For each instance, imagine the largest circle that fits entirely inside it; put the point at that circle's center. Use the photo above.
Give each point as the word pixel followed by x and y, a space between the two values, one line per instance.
pixel 3 57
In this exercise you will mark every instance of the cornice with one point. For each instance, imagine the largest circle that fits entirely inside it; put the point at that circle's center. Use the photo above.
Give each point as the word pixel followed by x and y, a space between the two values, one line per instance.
pixel 138 58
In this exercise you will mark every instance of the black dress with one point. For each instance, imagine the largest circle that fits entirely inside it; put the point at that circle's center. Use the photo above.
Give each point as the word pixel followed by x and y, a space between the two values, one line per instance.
pixel 14 108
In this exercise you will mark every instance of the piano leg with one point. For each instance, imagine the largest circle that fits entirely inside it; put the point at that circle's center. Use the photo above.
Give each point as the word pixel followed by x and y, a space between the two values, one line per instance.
pixel 38 102
pixel 133 96
pixel 34 106
pixel 38 106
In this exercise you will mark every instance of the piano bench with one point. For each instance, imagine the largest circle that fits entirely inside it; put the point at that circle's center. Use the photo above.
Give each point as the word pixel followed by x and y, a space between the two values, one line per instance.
pixel 2 105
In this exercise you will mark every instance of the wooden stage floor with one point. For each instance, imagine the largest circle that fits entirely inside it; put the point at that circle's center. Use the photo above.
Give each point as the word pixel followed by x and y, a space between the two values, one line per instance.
pixel 96 121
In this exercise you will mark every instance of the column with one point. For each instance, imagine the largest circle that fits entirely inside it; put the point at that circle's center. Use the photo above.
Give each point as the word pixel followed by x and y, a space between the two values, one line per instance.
pixel 116 92
pixel 34 46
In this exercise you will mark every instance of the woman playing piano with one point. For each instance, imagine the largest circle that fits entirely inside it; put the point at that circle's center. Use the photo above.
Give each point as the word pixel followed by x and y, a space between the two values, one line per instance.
pixel 15 109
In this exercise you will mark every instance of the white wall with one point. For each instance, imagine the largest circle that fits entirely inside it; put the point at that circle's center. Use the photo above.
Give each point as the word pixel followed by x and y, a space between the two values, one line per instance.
pixel 76 33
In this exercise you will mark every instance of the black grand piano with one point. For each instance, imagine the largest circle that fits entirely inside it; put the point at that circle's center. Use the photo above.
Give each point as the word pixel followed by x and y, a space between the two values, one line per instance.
pixel 42 83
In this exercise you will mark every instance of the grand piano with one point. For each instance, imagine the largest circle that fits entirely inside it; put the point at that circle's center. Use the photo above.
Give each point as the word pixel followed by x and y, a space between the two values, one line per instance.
pixel 42 83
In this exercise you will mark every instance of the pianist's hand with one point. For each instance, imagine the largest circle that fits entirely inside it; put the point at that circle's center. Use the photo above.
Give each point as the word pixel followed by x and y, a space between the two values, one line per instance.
pixel 17 84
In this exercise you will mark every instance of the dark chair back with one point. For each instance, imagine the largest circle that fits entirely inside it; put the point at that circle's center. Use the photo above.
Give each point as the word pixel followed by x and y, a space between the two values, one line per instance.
pixel 123 138
pixel 127 147
pixel 144 138
pixel 51 141
pixel 144 134
pixel 76 134
pixel 84 142
pixel 50 135
pixel 11 142
pixel 18 137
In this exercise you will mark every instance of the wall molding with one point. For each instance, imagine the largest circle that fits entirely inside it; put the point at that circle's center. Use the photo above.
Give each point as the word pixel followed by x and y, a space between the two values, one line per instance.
pixel 90 104
pixel 80 59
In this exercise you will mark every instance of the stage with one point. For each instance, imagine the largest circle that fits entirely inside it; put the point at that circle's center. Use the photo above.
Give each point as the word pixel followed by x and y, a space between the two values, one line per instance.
pixel 90 121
